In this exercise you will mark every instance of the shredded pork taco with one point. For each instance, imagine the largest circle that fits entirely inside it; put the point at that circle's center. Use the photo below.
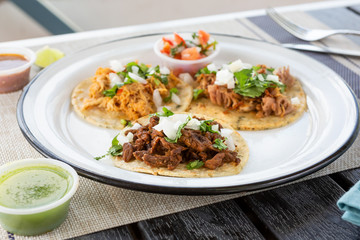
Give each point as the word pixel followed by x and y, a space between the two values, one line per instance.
pixel 179 145
pixel 248 97
pixel 117 95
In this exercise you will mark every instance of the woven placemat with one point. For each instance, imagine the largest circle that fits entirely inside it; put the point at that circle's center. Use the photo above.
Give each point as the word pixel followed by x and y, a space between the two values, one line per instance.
pixel 97 206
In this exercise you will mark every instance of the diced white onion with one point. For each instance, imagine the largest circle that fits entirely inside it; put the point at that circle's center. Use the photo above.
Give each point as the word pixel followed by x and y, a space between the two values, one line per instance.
pixel 170 125
pixel 226 133
pixel 164 70
pixel 193 124
pixel 225 77
pixel 212 67
pixel 116 66
pixel 198 49
pixel 236 66
pixel 137 78
pixel 260 77
pixel 175 99
pixel 274 78
pixel 157 98
pixel 136 126
pixel 215 127
pixel 135 69
pixel 114 79
pixel 295 101
pixel 186 77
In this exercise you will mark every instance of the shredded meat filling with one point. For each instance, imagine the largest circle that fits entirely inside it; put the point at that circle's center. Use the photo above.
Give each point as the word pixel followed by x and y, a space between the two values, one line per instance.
pixel 151 147
pixel 271 102
pixel 135 100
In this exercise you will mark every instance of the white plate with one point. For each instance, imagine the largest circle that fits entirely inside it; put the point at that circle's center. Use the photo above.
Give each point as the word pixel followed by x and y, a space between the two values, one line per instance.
pixel 320 136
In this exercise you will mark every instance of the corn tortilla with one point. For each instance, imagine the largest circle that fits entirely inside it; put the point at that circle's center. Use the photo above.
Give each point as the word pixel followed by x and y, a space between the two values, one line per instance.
pixel 181 171
pixel 248 121
pixel 102 118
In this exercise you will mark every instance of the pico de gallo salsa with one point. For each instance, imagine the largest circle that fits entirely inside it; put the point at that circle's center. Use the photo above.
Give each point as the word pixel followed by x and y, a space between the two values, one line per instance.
pixel 199 46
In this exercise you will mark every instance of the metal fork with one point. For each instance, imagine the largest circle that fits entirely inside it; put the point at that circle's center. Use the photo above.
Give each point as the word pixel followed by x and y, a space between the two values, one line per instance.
pixel 305 33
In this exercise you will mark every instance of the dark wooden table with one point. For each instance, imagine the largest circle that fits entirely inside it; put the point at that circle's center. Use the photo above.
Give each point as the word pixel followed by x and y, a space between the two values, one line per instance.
pixel 305 210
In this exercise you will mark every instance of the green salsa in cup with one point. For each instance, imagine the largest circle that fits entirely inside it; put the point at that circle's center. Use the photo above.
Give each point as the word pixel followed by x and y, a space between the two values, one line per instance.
pixel 35 195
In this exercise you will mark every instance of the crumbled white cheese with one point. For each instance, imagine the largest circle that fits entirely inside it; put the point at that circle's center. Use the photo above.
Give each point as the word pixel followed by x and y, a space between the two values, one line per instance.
pixel 116 66
pixel 114 79
pixel 225 77
pixel 236 66
pixel 164 70
pixel 212 67
pixel 137 78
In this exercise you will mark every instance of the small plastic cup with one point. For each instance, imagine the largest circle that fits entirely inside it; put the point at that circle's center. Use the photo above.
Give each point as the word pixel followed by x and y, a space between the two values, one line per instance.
pixel 43 218
pixel 14 79
pixel 184 66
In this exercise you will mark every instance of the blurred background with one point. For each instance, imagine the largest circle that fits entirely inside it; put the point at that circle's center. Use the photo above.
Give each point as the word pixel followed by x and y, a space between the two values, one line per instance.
pixel 21 19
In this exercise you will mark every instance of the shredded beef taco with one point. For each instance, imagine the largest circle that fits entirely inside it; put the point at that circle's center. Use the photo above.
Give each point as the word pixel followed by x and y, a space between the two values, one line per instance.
pixel 180 145
pixel 248 97
pixel 117 95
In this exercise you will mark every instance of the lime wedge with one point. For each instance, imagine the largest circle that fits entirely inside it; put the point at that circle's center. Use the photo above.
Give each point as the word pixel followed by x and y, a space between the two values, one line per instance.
pixel 47 56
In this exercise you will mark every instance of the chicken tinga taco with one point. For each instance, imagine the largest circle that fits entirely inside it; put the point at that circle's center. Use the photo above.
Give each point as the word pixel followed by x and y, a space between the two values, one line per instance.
pixel 117 95
pixel 179 145
pixel 248 97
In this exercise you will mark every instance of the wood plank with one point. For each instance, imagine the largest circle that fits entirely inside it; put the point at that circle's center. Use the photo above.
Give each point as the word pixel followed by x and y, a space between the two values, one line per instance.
pixel 119 233
pixel 347 179
pixel 224 220
pixel 304 210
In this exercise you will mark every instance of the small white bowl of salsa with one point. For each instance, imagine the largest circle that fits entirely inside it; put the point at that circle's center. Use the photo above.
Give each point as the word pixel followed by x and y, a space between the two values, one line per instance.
pixel 35 195
pixel 186 52
pixel 15 64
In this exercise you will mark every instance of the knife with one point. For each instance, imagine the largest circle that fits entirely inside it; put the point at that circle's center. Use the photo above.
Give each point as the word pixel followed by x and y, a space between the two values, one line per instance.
pixel 312 48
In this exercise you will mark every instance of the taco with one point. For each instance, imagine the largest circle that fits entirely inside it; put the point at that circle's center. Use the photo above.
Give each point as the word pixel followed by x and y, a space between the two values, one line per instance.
pixel 248 97
pixel 180 145
pixel 117 95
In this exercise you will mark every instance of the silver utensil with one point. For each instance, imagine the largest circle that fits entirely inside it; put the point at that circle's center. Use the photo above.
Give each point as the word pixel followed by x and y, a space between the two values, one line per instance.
pixel 305 33
pixel 330 50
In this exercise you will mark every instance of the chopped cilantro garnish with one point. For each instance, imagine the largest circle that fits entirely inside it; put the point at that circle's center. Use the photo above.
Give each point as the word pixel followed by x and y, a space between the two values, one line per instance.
pixel 178 133
pixel 172 90
pixel 194 164
pixel 166 113
pixel 114 150
pixel 206 127
pixel 247 82
pixel 197 92
pixel 219 144
pixel 204 70
pixel 176 50
pixel 111 92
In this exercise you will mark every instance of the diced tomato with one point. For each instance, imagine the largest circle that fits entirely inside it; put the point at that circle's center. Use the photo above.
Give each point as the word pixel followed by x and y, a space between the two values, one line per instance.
pixel 179 39
pixel 166 49
pixel 203 37
pixel 166 40
pixel 190 54
pixel 119 91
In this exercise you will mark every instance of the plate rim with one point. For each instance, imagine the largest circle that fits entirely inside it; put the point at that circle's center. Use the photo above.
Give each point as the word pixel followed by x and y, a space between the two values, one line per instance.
pixel 183 190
